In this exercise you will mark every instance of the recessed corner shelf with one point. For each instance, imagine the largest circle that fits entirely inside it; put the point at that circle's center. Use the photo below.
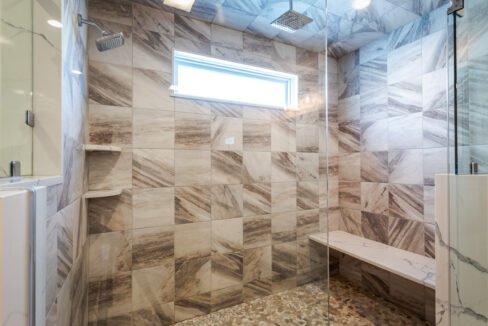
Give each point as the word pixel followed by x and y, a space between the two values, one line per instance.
pixel 102 193
pixel 101 148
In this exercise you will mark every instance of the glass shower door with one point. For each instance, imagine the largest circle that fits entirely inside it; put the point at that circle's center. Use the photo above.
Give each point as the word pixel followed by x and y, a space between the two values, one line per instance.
pixel 468 184
pixel 15 84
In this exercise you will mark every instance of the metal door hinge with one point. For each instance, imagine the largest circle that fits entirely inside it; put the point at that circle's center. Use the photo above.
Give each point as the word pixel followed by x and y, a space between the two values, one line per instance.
pixel 456 6
pixel 29 118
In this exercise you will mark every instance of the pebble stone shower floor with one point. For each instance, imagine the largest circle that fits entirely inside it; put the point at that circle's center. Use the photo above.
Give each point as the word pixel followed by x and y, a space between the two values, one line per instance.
pixel 306 305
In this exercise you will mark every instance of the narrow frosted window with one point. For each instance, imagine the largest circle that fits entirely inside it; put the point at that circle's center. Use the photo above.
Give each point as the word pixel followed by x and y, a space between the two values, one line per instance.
pixel 218 80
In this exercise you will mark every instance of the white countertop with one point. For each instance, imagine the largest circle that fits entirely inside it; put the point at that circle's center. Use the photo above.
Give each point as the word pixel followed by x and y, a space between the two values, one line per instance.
pixel 33 181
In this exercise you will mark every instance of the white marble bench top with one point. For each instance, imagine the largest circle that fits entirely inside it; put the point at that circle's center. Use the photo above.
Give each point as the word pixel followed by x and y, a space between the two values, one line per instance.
pixel 417 268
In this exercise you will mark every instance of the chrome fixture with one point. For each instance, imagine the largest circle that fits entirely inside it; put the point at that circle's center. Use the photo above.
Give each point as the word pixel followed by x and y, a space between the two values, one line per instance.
pixel 108 40
pixel 291 21
pixel 15 168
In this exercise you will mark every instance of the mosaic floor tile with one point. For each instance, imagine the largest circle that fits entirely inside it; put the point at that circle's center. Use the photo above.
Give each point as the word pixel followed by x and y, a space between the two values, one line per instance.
pixel 307 305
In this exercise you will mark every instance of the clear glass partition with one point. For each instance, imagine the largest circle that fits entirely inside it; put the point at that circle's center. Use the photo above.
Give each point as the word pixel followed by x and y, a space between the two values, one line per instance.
pixel 468 184
pixel 15 84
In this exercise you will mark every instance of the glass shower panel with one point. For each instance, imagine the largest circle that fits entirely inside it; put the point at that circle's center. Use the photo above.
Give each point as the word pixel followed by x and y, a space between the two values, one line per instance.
pixel 468 183
pixel 15 84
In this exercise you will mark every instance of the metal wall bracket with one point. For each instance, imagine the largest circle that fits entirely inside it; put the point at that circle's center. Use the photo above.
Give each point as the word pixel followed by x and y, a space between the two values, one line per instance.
pixel 29 118
pixel 456 5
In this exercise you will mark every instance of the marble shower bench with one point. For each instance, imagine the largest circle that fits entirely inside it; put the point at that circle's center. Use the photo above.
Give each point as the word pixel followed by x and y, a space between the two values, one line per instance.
pixel 404 278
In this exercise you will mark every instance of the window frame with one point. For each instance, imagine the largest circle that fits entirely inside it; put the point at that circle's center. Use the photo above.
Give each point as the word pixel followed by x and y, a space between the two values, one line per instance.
pixel 290 81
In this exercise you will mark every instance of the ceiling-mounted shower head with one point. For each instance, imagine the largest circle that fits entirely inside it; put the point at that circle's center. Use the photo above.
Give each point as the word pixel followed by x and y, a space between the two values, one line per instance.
pixel 291 21
pixel 107 41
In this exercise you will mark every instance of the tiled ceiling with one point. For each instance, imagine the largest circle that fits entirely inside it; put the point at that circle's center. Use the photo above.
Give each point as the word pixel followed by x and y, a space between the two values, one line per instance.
pixel 346 29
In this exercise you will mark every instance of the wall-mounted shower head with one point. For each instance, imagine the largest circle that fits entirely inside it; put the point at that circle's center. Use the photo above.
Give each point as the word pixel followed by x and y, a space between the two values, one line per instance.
pixel 291 21
pixel 108 40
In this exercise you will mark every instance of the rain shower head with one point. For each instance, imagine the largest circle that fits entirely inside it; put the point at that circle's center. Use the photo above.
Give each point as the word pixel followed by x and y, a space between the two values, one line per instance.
pixel 291 21
pixel 108 40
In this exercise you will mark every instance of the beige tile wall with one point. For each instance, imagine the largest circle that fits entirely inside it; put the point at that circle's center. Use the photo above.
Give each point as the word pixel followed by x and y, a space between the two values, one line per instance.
pixel 201 224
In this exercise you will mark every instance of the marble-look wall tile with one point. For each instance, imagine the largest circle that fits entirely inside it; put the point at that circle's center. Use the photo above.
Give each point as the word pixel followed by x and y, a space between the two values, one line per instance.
pixel 283 166
pixel 110 84
pixel 192 131
pixel 435 162
pixel 405 132
pixel 192 168
pixel 403 62
pixel 405 97
pixel 308 222
pixel 153 287
pixel 153 168
pixel 257 231
pixel 434 90
pixel 429 204
pixel 227 133
pixel 151 89
pixel 284 265
pixel 408 295
pixel 374 226
pixel 257 264
pixel 192 278
pixel 349 136
pixel 227 270
pixel 110 300
pixel 283 136
pixel 226 167
pixel 110 214
pixel 158 21
pixel 256 167
pixel 307 137
pixel 227 201
pixel 153 207
pixel 153 129
pixel 434 51
pixel 374 166
pixel 435 127
pixel 193 240
pixel 283 197
pixel 284 227
pixel 374 197
pixel 152 50
pixel 374 136
pixel 374 105
pixel 406 201
pixel 350 167
pixel 351 221
pixel 109 170
pixel 429 239
pixel 109 125
pixel 192 29
pixel 373 74
pixel 350 194
pixel 115 11
pixel 257 199
pixel 406 234
pixel 257 135
pixel 162 314
pixel 227 236
pixel 404 168
pixel 191 307
pixel 192 204
pixel 118 259
pixel 226 297
pixel 307 195
pixel 307 165
pixel 152 246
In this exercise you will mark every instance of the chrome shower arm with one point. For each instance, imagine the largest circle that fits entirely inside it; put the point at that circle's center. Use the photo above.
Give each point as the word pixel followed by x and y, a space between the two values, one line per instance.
pixel 90 22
